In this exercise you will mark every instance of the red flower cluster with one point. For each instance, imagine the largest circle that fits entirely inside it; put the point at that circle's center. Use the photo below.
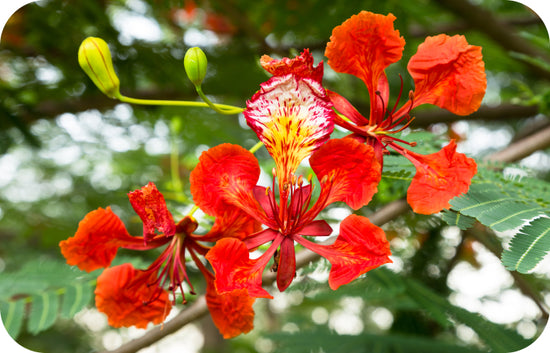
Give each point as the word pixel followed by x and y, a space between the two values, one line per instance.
pixel 132 297
pixel 447 72
pixel 293 115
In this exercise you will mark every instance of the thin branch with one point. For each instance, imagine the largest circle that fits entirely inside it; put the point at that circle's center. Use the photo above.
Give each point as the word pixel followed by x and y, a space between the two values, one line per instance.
pixel 503 112
pixel 523 148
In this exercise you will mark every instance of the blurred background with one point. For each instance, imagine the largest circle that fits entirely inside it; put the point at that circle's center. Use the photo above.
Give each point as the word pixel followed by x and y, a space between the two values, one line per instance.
pixel 66 149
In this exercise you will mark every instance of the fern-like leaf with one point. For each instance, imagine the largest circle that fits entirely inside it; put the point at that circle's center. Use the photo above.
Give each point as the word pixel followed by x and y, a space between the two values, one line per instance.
pixel 12 316
pixel 44 312
pixel 457 219
pixel 529 246
pixel 76 297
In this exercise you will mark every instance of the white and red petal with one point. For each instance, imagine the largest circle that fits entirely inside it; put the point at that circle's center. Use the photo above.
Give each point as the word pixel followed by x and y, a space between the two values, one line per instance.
pixel 292 116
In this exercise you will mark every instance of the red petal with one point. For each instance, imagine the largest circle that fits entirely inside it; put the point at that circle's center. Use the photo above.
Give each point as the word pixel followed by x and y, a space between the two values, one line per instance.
pixel 128 299
pixel 345 108
pixel 150 206
pixel 301 66
pixel 224 178
pixel 292 116
pixel 260 238
pixel 97 240
pixel 316 228
pixel 231 312
pixel 360 247
pixel 351 170
pixel 286 269
pixel 363 46
pixel 233 223
pixel 449 73
pixel 439 177
pixel 235 270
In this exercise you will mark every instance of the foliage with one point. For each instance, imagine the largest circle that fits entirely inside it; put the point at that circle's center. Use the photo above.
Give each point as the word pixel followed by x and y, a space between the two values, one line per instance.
pixel 66 150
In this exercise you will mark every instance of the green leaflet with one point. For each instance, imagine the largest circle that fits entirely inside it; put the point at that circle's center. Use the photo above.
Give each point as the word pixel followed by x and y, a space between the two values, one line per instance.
pixel 507 204
pixel 43 313
pixel 49 288
pixel 76 297
pixel 529 246
pixel 12 316
pixel 457 219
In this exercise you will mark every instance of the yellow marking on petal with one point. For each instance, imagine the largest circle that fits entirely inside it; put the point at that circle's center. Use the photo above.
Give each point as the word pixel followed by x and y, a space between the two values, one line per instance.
pixel 289 142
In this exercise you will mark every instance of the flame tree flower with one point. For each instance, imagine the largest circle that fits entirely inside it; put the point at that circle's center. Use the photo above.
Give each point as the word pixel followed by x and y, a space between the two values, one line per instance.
pixel 447 72
pixel 132 297
pixel 292 116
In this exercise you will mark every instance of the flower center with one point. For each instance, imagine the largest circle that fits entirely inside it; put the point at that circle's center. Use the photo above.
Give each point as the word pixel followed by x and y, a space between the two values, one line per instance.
pixel 294 200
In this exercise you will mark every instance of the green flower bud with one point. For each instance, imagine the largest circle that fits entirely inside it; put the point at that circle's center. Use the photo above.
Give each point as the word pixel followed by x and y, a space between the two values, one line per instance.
pixel 195 65
pixel 94 58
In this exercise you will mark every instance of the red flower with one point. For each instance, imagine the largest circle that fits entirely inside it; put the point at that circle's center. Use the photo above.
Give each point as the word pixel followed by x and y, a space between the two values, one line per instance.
pixel 349 177
pixel 293 117
pixel 131 297
pixel 447 72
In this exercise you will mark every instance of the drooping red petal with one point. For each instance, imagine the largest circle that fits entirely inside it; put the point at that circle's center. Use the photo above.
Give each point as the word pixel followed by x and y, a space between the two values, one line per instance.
pixel 97 240
pixel 439 177
pixel 150 206
pixel 223 180
pixel 286 269
pixel 343 106
pixel 449 73
pixel 125 296
pixel 231 312
pixel 348 171
pixel 292 116
pixel 301 66
pixel 363 46
pixel 360 247
pixel 235 270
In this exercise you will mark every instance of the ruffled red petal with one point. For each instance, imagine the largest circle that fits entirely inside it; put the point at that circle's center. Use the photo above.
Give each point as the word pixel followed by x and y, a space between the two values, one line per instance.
pixel 360 247
pixel 97 240
pixel 439 177
pixel 301 66
pixel 292 116
pixel 348 171
pixel 363 46
pixel 235 270
pixel 449 73
pixel 125 295
pixel 231 312
pixel 223 180
pixel 150 206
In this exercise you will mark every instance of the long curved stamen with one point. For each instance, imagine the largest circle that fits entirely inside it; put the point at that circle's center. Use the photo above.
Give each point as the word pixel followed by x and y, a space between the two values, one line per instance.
pixel 381 117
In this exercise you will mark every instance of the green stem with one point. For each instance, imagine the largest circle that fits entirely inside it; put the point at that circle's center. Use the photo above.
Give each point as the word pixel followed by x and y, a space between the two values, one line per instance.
pixel 193 210
pixel 174 173
pixel 223 108
pixel 256 147
pixel 216 107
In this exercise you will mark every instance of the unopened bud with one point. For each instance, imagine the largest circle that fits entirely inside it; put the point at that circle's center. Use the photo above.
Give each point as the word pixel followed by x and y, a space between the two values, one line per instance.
pixel 195 65
pixel 94 58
